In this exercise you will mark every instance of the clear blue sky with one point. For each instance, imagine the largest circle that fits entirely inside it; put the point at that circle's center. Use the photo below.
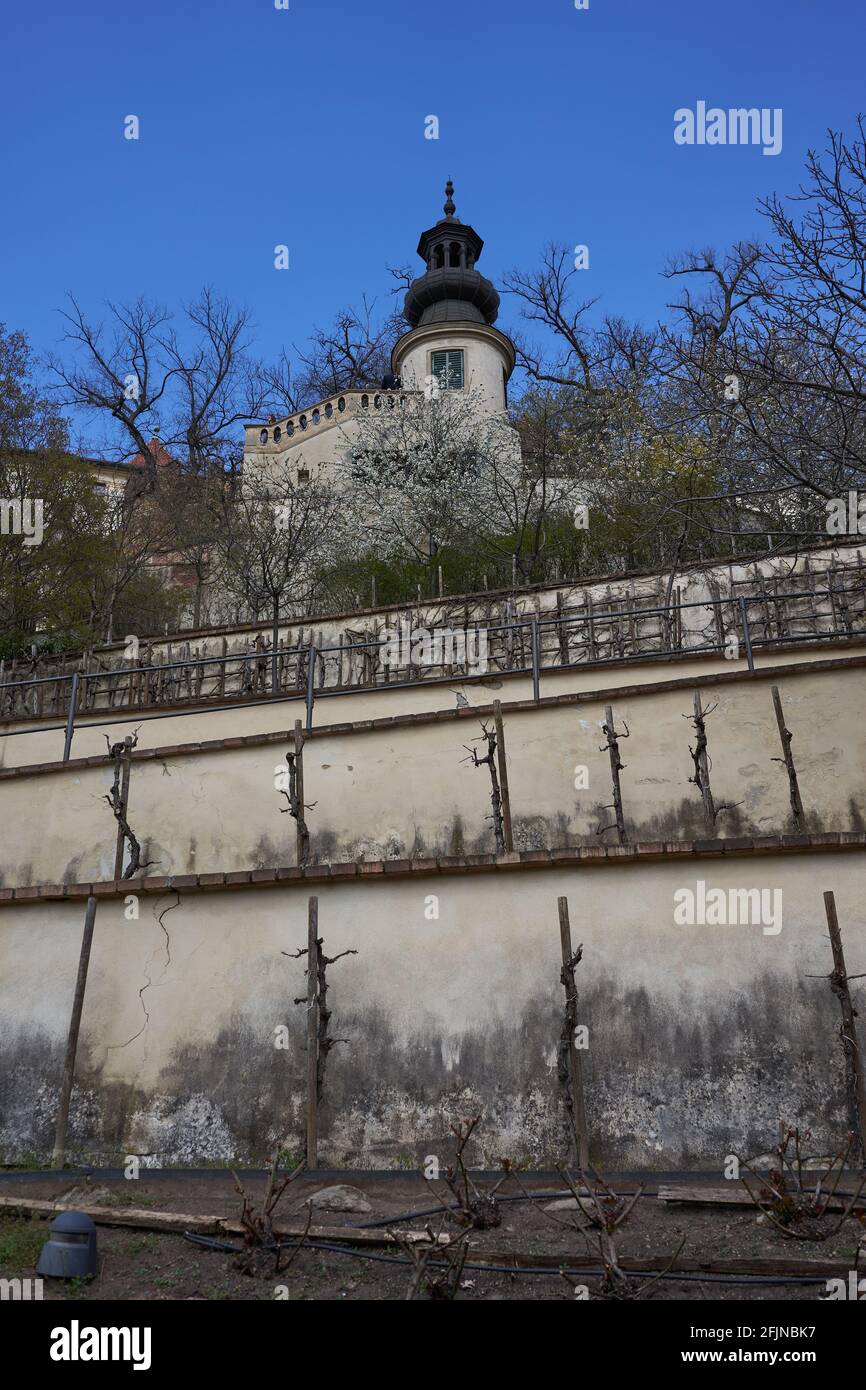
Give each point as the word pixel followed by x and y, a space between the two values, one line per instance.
pixel 306 127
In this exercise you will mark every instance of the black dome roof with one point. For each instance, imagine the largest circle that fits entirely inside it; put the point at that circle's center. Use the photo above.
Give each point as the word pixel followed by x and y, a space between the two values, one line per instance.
pixel 452 288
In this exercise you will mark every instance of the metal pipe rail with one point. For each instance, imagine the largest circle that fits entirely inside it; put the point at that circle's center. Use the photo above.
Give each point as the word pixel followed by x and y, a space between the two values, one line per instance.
pixel 311 655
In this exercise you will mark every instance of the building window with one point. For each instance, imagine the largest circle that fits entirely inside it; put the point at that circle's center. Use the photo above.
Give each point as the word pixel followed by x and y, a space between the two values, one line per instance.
pixel 100 489
pixel 447 367
pixel 303 476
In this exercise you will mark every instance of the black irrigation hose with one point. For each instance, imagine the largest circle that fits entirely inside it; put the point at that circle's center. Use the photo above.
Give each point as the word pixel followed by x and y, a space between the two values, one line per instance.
pixel 212 1243
pixel 511 1197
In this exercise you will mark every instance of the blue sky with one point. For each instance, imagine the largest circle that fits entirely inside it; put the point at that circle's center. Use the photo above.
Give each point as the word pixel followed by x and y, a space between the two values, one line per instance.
pixel 305 126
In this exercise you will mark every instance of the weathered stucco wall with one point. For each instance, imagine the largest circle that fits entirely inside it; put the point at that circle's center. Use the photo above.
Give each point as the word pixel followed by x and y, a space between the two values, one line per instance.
pixel 701 1038
pixel 24 749
pixel 401 792
pixel 588 637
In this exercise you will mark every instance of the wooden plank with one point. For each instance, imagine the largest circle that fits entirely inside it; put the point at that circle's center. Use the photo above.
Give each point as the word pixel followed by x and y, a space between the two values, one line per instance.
pixel 731 1194
pixel 175 1223
pixel 754 1265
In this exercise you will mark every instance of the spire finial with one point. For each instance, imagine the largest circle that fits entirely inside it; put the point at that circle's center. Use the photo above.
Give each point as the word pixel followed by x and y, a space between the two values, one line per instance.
pixel 449 208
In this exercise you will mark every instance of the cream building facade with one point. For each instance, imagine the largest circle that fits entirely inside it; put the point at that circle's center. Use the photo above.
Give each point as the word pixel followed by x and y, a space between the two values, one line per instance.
pixel 451 345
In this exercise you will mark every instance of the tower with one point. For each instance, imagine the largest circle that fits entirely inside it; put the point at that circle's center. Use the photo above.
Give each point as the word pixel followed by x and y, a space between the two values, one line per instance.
pixel 452 309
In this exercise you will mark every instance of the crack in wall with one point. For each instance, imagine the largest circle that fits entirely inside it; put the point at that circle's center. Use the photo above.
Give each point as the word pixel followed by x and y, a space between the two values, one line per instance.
pixel 118 1047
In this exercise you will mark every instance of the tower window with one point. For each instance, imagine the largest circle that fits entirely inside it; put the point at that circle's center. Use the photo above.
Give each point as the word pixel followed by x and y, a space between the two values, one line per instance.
pixel 454 256
pixel 447 367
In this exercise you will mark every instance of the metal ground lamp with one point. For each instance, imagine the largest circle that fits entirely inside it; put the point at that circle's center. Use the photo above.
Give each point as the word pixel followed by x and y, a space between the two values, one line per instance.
pixel 70 1250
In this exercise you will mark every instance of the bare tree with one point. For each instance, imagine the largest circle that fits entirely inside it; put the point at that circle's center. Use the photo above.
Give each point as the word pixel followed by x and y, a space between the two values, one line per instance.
pixel 277 538
pixel 143 376
pixel 354 352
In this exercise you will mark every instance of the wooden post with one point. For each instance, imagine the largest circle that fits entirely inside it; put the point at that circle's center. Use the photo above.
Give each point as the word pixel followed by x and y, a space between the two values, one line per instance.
pixel 593 649
pixel 616 767
pixel 300 819
pixel 312 1032
pixel 575 1062
pixel 702 762
pixel 855 1084
pixel 72 1038
pixel 561 631
pixel 788 759
pixel 126 755
pixel 503 777
pixel 222 667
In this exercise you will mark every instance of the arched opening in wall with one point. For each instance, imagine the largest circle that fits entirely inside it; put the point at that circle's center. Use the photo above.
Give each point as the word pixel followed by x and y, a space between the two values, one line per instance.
pixel 290 428
pixel 263 436
pixel 303 422
pixel 439 258
pixel 365 401
pixel 341 403
pixel 316 417
pixel 329 410
pixel 278 434
pixel 455 255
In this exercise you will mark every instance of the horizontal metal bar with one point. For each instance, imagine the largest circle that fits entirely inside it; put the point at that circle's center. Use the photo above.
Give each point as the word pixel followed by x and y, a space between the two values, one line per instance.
pixel 152 670
pixel 381 687
pixel 572 621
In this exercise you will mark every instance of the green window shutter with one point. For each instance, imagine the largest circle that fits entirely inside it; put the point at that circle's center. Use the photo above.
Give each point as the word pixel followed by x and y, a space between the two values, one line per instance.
pixel 448 369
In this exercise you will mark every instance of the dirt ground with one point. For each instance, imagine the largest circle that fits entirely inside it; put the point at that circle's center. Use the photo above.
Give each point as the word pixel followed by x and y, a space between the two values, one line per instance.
pixel 140 1264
